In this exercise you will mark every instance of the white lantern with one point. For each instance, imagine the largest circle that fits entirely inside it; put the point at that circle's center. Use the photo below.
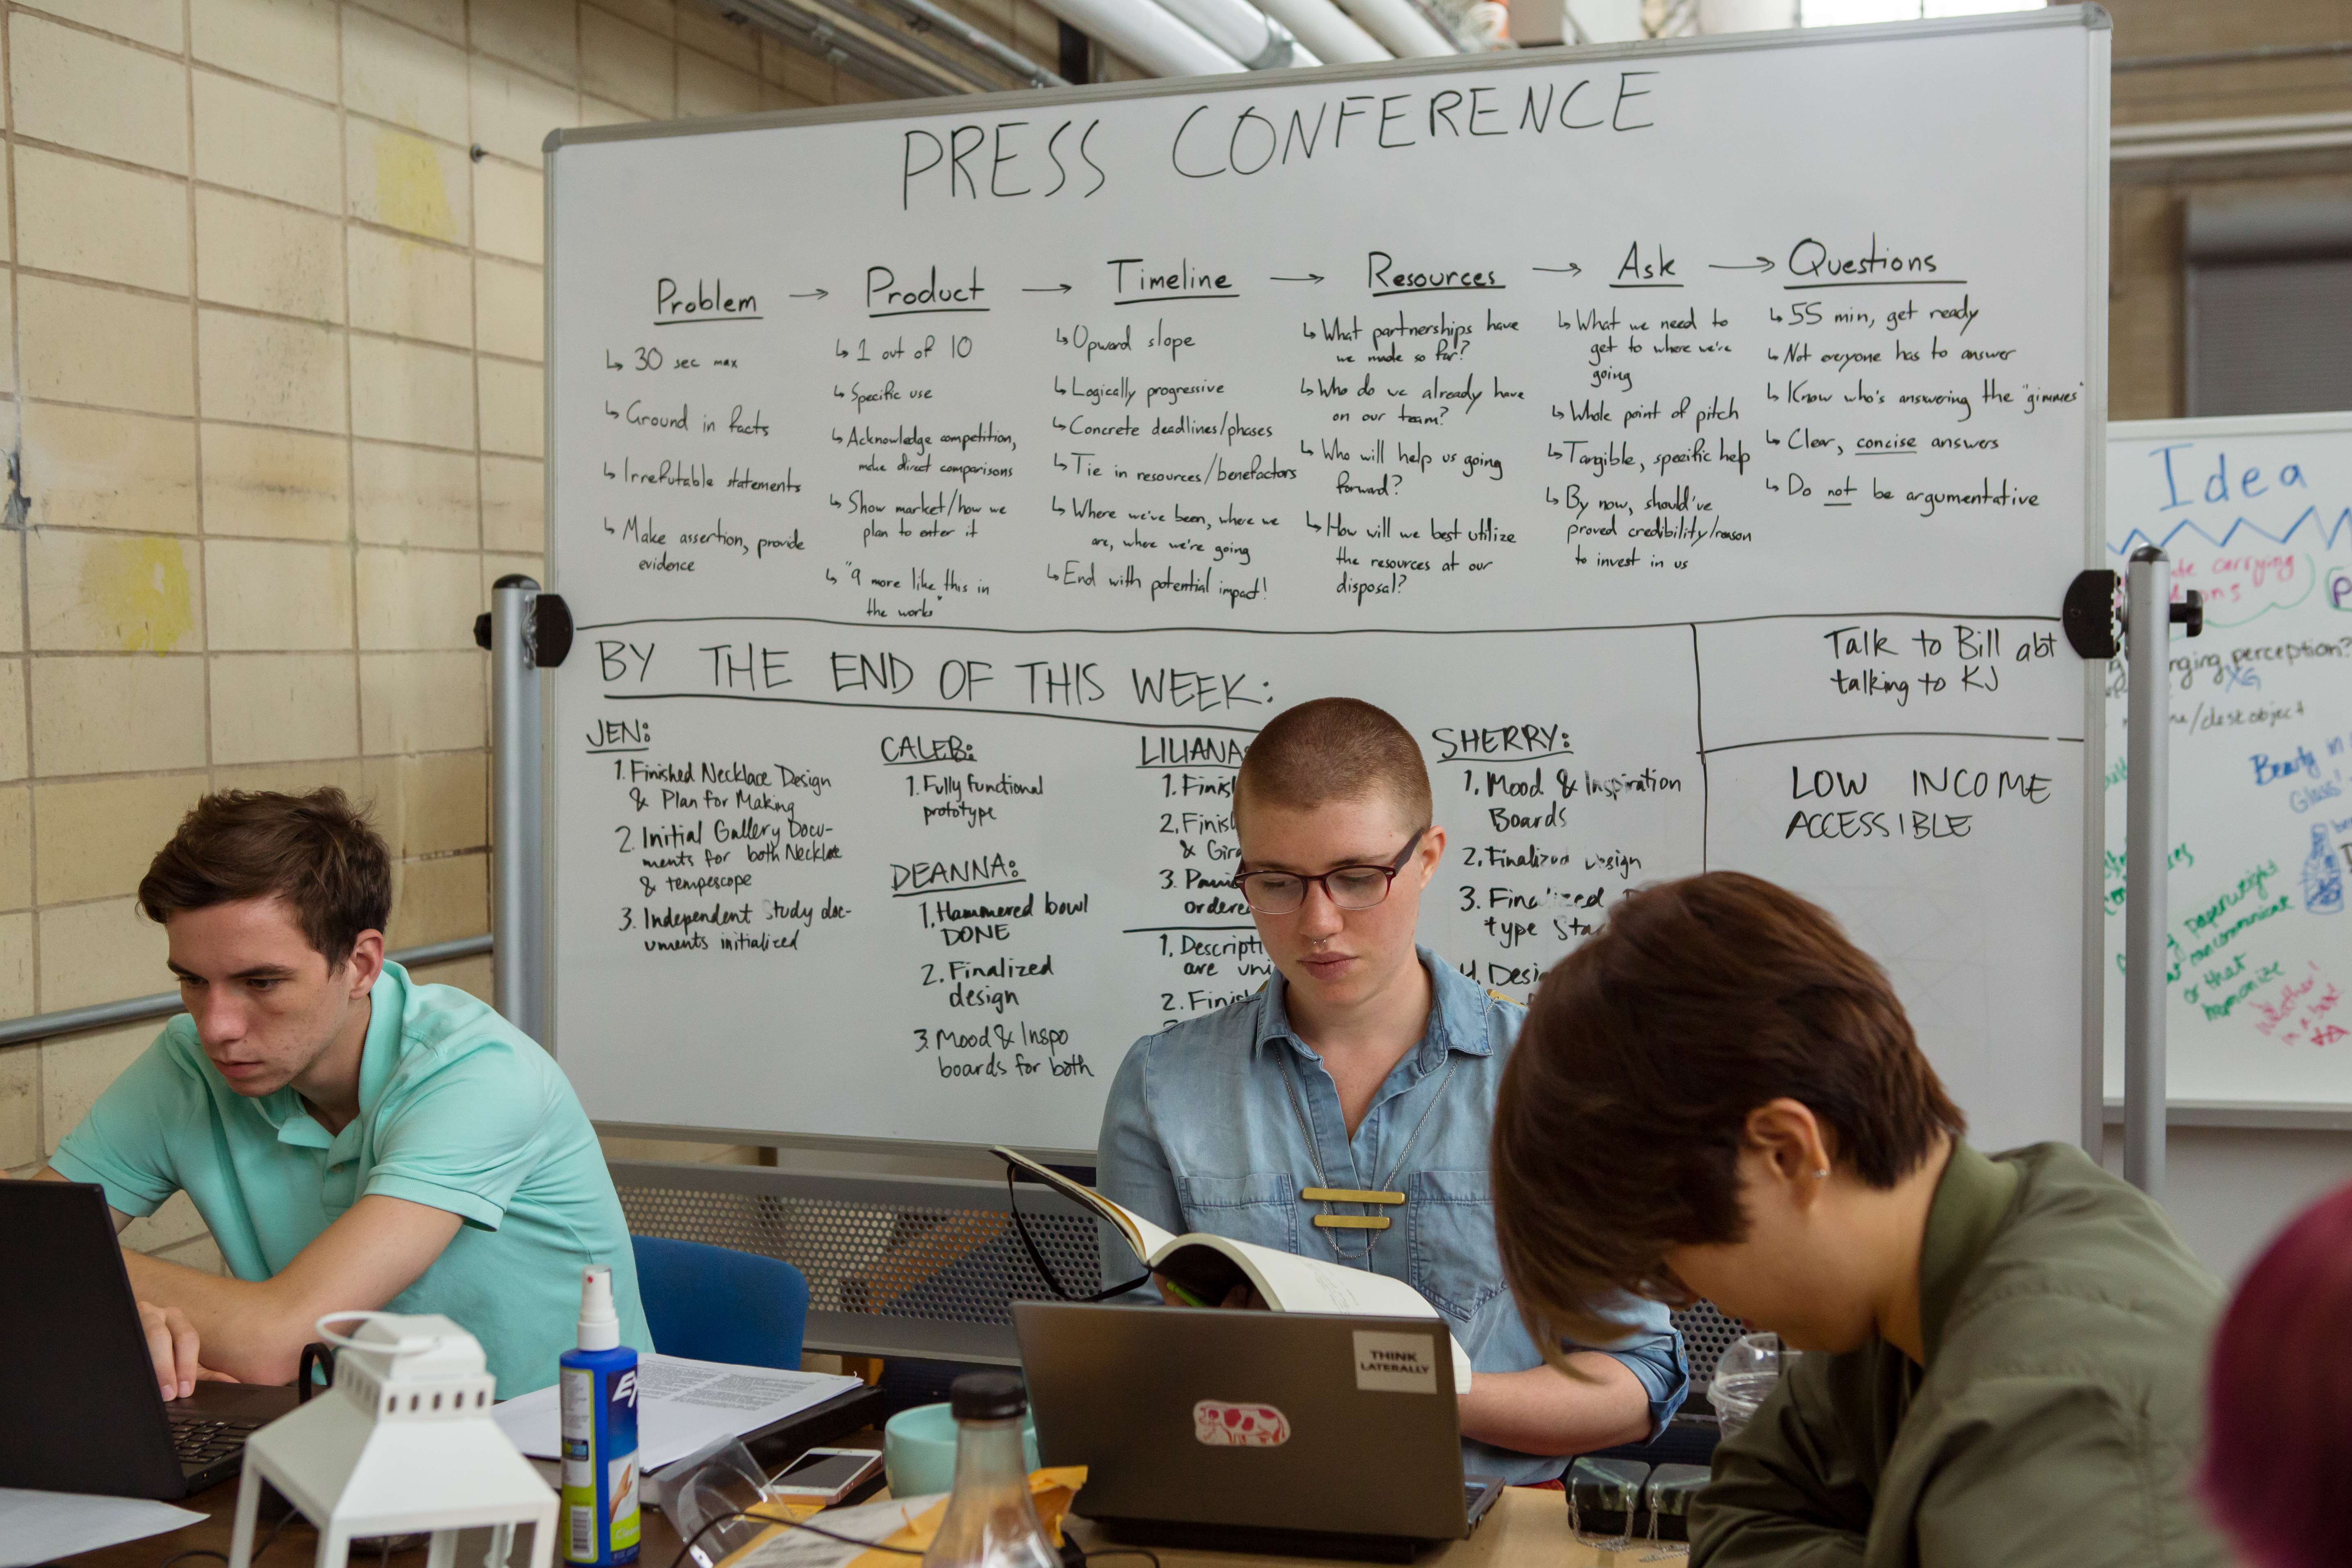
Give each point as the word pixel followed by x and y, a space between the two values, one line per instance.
pixel 402 1444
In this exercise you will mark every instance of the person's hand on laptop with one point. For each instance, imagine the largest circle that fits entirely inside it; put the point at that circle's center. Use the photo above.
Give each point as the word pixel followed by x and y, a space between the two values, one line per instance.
pixel 172 1341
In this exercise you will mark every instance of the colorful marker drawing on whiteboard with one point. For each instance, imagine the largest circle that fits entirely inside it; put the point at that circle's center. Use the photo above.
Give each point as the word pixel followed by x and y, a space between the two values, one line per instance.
pixel 2304 1013
pixel 2323 875
pixel 2252 484
pixel 2259 521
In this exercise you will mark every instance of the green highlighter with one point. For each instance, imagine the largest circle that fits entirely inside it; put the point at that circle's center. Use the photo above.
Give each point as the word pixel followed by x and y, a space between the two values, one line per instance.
pixel 1187 1297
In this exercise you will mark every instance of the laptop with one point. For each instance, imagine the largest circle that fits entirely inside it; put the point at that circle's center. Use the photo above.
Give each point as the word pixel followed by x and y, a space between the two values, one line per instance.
pixel 83 1414
pixel 1275 1432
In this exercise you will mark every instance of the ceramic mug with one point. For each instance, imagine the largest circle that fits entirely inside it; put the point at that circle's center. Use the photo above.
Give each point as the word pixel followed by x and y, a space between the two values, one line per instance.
pixel 919 1450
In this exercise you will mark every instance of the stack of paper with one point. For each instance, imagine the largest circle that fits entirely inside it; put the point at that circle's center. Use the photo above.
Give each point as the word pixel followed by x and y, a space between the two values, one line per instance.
pixel 681 1405
pixel 36 1527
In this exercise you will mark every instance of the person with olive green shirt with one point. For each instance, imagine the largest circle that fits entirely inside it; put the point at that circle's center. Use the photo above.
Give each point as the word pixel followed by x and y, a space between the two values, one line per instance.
pixel 2047 1411
pixel 1718 1097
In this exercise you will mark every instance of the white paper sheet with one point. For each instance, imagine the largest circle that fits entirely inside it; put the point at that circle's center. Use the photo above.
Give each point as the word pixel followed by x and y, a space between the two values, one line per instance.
pixel 681 1405
pixel 37 1526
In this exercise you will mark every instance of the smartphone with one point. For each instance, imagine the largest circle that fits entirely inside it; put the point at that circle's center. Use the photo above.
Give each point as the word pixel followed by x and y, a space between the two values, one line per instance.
pixel 825 1475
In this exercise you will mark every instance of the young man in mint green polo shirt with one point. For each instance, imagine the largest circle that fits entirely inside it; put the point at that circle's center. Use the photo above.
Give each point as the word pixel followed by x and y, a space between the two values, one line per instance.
pixel 354 1139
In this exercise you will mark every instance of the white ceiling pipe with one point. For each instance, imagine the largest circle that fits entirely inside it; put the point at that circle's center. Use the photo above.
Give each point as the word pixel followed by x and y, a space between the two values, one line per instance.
pixel 1324 28
pixel 1746 15
pixel 1404 30
pixel 1243 31
pixel 1152 38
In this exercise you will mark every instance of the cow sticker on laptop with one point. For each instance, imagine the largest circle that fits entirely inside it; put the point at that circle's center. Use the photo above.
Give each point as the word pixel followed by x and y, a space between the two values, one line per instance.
pixel 1223 1424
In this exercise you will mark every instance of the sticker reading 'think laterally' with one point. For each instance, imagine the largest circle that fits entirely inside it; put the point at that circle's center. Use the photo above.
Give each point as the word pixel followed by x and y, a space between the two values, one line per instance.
pixel 1396 1364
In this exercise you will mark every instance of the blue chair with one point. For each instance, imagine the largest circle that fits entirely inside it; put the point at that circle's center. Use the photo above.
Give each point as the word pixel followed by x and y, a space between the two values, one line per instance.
pixel 713 1303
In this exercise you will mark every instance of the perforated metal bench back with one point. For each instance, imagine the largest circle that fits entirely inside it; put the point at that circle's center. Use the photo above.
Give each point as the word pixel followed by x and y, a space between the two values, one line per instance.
pixel 1706 1334
pixel 910 1266
pixel 896 1266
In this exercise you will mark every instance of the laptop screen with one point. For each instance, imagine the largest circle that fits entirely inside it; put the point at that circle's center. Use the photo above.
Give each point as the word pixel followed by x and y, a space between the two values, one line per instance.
pixel 92 1419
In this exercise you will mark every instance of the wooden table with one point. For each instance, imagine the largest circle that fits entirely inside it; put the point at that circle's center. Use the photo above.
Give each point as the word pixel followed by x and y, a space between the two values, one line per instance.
pixel 846 1419
pixel 297 1543
pixel 1527 1529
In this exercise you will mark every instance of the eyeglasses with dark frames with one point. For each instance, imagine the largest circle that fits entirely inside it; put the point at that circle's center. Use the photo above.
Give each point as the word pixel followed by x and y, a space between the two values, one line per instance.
pixel 1348 887
pixel 1037 1253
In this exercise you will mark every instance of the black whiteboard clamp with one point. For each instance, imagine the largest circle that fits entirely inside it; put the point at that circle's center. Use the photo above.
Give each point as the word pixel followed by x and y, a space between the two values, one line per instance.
pixel 551 629
pixel 2190 614
pixel 551 626
pixel 2089 616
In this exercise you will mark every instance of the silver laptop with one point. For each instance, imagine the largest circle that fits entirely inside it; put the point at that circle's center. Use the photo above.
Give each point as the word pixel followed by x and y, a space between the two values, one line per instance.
pixel 1254 1431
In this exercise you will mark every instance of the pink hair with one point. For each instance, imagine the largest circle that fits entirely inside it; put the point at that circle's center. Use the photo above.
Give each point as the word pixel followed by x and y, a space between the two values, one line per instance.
pixel 2278 1438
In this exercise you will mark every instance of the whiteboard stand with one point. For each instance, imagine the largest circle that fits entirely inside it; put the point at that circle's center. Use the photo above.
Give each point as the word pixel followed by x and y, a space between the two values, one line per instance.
pixel 526 631
pixel 2148 616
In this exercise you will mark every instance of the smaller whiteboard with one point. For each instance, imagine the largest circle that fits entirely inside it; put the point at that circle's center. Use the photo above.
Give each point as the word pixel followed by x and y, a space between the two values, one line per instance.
pixel 2255 513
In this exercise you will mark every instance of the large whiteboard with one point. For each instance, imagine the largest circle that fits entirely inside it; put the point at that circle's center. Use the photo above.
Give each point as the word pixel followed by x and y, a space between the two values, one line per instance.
pixel 2256 513
pixel 1691 443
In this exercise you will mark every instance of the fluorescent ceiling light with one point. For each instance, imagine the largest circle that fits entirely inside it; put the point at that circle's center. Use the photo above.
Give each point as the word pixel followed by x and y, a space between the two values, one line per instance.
pixel 1845 13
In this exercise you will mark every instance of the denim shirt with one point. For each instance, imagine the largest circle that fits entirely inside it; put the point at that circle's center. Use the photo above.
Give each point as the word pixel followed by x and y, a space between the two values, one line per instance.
pixel 1216 1124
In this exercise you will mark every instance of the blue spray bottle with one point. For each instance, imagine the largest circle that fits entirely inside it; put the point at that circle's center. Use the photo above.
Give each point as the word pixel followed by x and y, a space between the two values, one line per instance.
pixel 599 1433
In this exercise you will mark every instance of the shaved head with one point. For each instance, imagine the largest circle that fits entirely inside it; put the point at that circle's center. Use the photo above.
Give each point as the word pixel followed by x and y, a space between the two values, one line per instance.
pixel 1334 748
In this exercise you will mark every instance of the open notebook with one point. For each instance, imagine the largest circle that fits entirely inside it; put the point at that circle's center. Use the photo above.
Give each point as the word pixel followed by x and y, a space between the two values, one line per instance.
pixel 1207 1267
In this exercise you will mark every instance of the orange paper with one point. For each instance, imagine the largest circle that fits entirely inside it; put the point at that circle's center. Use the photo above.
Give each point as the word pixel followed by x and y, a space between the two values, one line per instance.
pixel 1051 1491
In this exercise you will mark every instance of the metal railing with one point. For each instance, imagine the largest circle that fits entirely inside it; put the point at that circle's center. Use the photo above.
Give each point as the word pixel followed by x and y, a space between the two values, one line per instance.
pixel 106 1014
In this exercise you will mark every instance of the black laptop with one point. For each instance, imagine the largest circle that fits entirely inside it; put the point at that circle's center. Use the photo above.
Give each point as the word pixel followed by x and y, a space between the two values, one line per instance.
pixel 1262 1431
pixel 82 1413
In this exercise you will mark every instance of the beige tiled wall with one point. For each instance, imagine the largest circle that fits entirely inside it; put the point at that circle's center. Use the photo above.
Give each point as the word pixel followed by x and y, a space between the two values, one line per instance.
pixel 271 372
pixel 2146 339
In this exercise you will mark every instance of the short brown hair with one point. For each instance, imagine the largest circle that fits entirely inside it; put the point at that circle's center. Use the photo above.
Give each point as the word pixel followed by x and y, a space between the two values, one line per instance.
pixel 316 852
pixel 1623 1108
pixel 1334 748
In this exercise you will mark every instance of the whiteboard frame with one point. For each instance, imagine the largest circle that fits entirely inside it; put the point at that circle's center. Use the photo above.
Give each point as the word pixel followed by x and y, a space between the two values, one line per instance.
pixel 2284 1115
pixel 2098 176
pixel 2310 1116
pixel 2090 18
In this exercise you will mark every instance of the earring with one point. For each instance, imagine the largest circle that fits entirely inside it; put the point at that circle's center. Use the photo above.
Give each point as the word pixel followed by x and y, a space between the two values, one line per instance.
pixel 1822 1176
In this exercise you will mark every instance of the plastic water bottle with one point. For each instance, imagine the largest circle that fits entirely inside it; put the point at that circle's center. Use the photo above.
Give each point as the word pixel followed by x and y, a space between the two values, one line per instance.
pixel 989 1521
pixel 1744 1378
pixel 599 1403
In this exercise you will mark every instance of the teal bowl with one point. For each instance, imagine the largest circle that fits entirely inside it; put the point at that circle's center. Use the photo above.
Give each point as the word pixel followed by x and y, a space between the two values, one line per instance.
pixel 919 1450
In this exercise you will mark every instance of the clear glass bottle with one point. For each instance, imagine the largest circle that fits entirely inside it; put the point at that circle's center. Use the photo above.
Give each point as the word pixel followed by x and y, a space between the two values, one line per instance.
pixel 989 1521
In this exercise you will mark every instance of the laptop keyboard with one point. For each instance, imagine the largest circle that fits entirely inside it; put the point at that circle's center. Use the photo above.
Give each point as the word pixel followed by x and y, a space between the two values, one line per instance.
pixel 200 1442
